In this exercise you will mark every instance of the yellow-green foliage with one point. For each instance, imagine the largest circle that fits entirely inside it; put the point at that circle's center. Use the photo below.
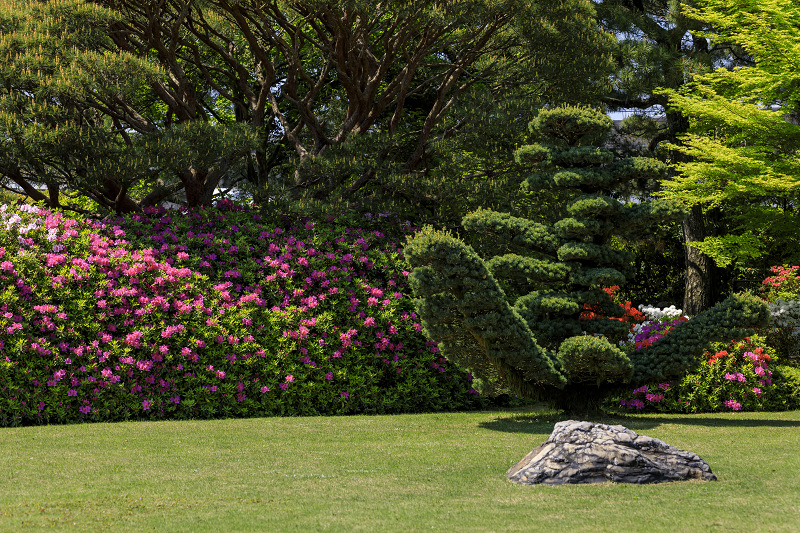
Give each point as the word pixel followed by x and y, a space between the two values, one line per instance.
pixel 739 147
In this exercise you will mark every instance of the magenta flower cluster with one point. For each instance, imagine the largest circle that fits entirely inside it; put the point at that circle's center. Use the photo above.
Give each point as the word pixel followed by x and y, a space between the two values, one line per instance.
pixel 642 395
pixel 214 312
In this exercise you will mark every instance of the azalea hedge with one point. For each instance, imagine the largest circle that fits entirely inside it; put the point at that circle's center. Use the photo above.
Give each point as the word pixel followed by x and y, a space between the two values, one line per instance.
pixel 210 313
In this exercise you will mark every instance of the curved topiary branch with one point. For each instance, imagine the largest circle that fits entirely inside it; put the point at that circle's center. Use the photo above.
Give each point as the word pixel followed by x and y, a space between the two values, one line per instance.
pixel 670 357
pixel 456 290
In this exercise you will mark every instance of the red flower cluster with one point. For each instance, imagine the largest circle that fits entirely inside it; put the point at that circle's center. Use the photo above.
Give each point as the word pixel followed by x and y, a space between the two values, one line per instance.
pixel 594 310
pixel 758 351
pixel 785 280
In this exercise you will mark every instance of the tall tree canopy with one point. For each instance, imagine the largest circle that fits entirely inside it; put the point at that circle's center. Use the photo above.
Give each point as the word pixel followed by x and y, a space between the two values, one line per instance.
pixel 84 113
pixel 325 97
pixel 743 141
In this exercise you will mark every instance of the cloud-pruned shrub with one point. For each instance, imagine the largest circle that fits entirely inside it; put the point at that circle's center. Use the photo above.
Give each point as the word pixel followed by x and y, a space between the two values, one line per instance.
pixel 513 303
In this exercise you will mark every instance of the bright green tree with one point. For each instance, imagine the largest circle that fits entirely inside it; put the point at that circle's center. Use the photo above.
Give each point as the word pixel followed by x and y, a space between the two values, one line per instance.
pixel 513 303
pixel 743 140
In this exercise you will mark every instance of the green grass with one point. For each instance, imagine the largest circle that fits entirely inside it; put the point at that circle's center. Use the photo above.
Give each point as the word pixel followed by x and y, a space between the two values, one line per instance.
pixel 442 472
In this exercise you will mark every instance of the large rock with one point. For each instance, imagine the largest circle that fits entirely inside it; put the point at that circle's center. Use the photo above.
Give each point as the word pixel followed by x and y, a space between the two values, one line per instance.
pixel 583 452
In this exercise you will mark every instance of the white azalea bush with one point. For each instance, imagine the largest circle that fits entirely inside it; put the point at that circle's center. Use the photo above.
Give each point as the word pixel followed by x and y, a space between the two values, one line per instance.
pixel 785 314
pixel 785 321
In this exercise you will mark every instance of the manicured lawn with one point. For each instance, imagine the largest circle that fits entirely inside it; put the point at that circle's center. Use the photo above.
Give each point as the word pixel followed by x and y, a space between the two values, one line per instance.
pixel 427 472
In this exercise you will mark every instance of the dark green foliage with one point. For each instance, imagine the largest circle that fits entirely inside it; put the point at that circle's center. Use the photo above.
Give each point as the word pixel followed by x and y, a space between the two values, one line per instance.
pixel 671 356
pixel 588 359
pixel 465 310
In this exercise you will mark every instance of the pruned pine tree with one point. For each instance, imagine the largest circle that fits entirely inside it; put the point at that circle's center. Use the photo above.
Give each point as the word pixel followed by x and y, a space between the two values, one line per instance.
pixel 511 305
pixel 345 101
pixel 84 116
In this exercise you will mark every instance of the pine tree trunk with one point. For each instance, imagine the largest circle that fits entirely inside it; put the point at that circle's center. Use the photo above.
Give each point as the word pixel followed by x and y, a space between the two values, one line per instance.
pixel 698 291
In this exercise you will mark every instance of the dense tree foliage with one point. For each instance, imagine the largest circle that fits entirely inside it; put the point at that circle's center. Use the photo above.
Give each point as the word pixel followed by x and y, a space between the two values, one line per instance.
pixel 661 44
pixel 85 113
pixel 336 100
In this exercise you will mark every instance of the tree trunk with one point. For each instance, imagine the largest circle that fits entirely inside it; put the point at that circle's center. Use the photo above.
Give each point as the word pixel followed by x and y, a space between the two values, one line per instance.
pixel 698 291
pixel 199 185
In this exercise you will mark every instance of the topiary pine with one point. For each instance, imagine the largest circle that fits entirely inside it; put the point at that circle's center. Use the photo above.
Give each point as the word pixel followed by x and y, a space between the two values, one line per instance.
pixel 514 307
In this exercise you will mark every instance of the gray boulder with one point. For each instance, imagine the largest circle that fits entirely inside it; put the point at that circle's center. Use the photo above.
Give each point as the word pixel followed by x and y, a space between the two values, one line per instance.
pixel 583 452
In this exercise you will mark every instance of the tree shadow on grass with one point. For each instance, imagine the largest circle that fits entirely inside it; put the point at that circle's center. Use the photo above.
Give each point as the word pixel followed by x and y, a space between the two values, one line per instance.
pixel 542 423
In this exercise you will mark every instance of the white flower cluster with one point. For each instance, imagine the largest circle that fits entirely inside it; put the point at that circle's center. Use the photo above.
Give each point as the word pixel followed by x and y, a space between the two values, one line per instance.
pixel 15 218
pixel 654 313
pixel 785 314
pixel 23 223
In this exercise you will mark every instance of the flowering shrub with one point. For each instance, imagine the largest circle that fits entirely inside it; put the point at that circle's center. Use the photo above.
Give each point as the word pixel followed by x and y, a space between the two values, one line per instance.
pixel 784 285
pixel 209 313
pixel 733 377
pixel 653 313
pixel 784 333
